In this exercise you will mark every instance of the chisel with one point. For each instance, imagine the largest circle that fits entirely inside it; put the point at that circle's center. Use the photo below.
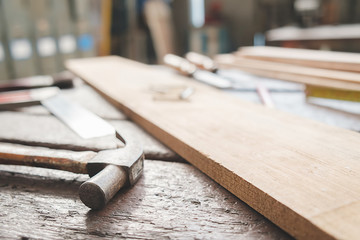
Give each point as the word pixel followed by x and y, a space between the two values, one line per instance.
pixel 210 77
pixel 189 69
pixel 85 123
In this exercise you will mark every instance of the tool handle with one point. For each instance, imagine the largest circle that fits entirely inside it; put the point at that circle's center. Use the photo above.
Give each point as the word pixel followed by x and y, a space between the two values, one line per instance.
pixel 23 98
pixel 180 64
pixel 62 80
pixel 202 61
pixel 99 189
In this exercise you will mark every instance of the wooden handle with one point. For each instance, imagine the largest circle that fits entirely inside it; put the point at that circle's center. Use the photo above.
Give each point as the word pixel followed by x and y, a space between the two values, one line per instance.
pixel 180 64
pixel 23 98
pixel 62 80
pixel 202 61
pixel 99 189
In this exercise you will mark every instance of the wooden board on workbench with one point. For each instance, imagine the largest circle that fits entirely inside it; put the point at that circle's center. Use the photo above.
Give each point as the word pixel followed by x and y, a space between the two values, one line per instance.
pixel 302 175
pixel 290 72
pixel 160 206
pixel 342 61
pixel 332 112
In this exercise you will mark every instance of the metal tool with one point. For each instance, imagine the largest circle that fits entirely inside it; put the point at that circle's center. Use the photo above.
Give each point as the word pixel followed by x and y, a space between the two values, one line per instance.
pixel 80 120
pixel 202 61
pixel 206 63
pixel 241 81
pixel 189 69
pixel 208 76
pixel 109 170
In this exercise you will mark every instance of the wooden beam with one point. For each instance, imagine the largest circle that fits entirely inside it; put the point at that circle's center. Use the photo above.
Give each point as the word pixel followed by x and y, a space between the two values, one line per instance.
pixel 304 57
pixel 302 175
pixel 289 72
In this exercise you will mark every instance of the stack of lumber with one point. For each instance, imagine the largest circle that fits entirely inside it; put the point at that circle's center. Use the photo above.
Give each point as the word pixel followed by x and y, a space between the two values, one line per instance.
pixel 320 69
pixel 302 175
pixel 342 61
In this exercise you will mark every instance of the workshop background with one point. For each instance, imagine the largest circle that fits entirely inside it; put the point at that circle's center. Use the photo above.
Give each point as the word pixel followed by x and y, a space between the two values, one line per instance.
pixel 37 36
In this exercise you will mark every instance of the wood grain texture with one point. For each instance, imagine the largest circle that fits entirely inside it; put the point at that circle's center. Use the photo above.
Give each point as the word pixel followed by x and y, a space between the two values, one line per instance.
pixel 322 32
pixel 304 57
pixel 294 171
pixel 335 113
pixel 43 204
pixel 294 73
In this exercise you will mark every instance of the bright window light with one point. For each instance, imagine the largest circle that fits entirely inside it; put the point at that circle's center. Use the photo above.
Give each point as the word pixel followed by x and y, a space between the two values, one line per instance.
pixel 197 11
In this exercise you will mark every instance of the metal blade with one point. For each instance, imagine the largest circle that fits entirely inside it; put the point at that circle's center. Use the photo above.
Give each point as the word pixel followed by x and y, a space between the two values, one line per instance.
pixel 80 120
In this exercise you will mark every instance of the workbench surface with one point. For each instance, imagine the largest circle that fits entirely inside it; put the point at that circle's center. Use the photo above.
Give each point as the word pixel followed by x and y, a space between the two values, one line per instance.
pixel 171 200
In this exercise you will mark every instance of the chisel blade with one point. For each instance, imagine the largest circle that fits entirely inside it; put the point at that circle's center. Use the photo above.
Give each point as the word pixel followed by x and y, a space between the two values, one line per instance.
pixel 85 123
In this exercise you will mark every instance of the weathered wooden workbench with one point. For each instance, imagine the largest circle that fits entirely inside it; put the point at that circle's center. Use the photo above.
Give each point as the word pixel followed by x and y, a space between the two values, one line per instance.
pixel 171 200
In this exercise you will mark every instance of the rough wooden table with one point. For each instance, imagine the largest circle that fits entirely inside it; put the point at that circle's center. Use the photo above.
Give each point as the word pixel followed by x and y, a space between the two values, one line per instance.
pixel 171 200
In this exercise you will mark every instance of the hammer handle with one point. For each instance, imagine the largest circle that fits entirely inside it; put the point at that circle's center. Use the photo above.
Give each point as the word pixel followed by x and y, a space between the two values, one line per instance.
pixel 99 189
pixel 47 158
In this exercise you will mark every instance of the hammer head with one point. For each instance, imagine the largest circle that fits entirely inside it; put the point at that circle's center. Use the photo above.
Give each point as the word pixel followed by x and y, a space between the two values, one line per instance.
pixel 110 170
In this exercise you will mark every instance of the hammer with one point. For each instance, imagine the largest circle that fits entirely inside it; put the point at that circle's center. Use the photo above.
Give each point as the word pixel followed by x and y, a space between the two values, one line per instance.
pixel 109 170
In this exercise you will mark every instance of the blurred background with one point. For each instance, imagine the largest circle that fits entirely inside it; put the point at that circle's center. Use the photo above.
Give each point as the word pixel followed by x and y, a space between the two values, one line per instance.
pixel 37 36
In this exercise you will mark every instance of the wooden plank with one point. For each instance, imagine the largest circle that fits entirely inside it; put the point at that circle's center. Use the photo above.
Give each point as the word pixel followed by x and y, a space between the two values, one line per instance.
pixel 289 72
pixel 304 57
pixel 302 175
pixel 324 32
pixel 160 205
pixel 341 114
